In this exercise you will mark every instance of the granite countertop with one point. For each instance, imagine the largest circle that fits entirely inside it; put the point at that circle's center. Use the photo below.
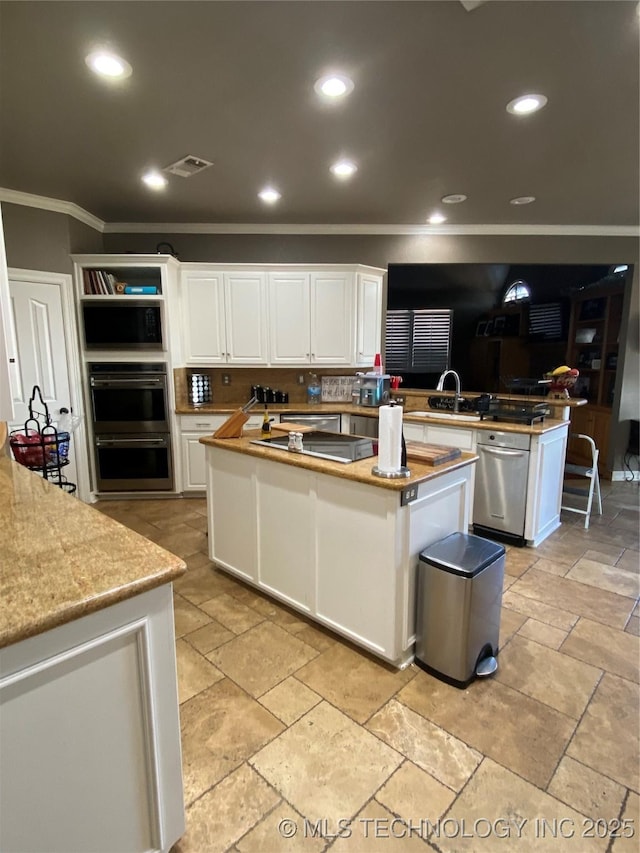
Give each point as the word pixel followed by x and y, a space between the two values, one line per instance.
pixel 359 471
pixel 547 425
pixel 61 559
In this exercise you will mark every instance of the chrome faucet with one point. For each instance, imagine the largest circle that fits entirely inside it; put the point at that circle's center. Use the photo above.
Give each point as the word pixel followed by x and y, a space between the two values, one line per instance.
pixel 440 387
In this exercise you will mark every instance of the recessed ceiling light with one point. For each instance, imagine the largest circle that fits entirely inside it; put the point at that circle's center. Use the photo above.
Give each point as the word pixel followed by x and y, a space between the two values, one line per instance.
pixel 526 104
pixel 269 195
pixel 454 198
pixel 344 168
pixel 154 180
pixel 108 65
pixel 436 219
pixel 523 199
pixel 334 85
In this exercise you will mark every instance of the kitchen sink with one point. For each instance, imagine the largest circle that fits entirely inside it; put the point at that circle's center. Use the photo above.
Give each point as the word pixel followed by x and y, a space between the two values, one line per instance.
pixel 445 416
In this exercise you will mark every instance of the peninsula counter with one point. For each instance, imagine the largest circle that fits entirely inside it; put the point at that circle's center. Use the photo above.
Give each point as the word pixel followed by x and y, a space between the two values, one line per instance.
pixel 89 728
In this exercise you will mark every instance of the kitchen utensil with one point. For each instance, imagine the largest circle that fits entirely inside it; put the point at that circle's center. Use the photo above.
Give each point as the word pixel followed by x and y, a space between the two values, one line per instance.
pixel 232 427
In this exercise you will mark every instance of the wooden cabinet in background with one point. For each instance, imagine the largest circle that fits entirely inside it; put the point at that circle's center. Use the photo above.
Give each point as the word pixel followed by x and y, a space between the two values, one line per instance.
pixel 596 317
pixel 496 361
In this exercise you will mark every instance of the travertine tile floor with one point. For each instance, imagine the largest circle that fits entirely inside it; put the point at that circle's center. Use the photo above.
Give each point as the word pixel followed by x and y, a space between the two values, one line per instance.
pixel 288 730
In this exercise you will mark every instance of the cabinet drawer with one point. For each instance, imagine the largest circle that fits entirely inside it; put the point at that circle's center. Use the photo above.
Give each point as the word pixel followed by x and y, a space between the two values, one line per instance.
pixel 462 438
pixel 201 423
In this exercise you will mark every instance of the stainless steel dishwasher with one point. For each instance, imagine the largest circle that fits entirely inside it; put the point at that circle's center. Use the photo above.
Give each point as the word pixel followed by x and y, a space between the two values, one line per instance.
pixel 500 499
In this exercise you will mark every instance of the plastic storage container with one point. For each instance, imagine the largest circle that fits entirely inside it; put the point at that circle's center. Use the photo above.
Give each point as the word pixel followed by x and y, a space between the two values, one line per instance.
pixel 459 599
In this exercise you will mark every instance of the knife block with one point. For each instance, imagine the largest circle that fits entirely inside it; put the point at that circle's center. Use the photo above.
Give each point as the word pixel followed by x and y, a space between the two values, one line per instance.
pixel 232 427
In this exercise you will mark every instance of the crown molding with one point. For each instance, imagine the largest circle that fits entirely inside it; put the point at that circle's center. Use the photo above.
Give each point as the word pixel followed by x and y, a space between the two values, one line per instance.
pixel 373 230
pixel 70 209
pixel 54 205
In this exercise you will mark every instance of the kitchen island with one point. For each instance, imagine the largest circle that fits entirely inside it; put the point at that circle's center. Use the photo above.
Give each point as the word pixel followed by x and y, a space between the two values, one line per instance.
pixel 89 728
pixel 330 539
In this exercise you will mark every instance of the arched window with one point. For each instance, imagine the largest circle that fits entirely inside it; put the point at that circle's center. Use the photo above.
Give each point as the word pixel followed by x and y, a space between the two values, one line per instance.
pixel 518 291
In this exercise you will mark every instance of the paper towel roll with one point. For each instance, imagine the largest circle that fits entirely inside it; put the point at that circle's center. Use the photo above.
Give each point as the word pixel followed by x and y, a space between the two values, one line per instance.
pixel 389 439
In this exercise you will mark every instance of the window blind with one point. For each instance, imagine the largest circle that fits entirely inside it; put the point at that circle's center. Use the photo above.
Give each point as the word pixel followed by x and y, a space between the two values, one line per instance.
pixel 545 321
pixel 418 339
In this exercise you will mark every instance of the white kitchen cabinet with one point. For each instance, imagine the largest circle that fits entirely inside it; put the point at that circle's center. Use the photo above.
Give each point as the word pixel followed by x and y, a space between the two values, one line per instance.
pixel 332 310
pixel 192 453
pixel 246 315
pixel 369 317
pixel 224 316
pixel 90 734
pixel 204 339
pixel 460 437
pixel 192 456
pixel 413 432
pixel 342 552
pixel 289 316
pixel 311 317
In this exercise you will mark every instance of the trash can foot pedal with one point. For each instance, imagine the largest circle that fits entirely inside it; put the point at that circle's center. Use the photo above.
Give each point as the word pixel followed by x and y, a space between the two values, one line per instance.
pixel 487 666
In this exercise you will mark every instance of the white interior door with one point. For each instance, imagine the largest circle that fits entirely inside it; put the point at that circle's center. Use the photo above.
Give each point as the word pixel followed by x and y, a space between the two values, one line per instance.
pixel 40 322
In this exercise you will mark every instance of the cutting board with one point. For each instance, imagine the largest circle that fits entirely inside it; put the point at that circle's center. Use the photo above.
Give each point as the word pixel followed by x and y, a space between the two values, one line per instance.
pixel 431 454
pixel 285 426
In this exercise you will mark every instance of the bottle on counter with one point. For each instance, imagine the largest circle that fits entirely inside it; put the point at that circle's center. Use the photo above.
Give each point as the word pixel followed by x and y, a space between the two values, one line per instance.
pixel 265 430
pixel 314 390
pixel 356 385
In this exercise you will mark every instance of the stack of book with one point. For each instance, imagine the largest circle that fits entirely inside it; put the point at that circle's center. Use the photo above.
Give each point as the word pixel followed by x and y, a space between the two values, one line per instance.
pixel 99 282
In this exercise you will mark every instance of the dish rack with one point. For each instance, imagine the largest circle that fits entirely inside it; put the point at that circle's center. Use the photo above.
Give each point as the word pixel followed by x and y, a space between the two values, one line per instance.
pixel 40 446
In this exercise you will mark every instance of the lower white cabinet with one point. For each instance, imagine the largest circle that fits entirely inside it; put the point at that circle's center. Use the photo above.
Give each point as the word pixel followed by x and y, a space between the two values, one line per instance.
pixel 192 457
pixel 90 735
pixel 192 453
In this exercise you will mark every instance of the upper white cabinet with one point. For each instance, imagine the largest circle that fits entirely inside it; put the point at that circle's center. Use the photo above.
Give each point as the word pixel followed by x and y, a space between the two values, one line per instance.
pixel 251 314
pixel 331 316
pixel 311 317
pixel 224 316
pixel 246 306
pixel 204 338
pixel 369 314
pixel 289 317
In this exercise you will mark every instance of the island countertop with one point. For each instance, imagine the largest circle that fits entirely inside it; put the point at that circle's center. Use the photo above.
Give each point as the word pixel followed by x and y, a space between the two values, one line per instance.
pixel 61 559
pixel 359 471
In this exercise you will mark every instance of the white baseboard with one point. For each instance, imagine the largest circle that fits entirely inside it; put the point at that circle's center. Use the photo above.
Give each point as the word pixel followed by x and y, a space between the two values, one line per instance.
pixel 621 476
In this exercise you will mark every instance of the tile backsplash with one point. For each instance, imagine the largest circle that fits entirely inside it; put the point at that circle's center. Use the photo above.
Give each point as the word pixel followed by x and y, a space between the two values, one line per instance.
pixel 238 390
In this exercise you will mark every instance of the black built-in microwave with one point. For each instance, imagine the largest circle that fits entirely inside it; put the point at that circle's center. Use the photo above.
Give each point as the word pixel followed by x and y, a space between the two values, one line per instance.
pixel 122 324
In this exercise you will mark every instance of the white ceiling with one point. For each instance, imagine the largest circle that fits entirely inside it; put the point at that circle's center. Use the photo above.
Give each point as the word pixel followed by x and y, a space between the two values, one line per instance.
pixel 232 82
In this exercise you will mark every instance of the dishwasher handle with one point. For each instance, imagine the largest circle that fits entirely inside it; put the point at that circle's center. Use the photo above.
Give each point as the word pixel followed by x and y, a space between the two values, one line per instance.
pixel 497 451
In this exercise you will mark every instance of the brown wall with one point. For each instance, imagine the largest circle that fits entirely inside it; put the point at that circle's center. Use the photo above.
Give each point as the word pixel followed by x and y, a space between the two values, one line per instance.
pixel 41 240
pixel 379 251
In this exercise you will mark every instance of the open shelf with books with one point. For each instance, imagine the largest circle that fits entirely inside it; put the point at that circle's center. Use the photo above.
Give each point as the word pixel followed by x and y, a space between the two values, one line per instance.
pixel 121 281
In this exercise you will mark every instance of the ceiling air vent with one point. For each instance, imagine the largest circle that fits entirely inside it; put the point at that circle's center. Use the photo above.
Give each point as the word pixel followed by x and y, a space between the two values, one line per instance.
pixel 188 166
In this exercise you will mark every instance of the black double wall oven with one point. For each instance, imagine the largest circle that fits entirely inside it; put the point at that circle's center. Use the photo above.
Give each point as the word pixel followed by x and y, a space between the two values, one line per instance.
pixel 131 432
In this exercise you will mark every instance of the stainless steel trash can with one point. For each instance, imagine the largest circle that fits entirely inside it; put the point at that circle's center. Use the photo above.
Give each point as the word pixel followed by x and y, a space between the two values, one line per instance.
pixel 459 598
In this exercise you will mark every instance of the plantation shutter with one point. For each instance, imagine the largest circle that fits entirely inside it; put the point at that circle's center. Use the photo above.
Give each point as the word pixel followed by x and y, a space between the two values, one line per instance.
pixel 418 340
pixel 545 321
